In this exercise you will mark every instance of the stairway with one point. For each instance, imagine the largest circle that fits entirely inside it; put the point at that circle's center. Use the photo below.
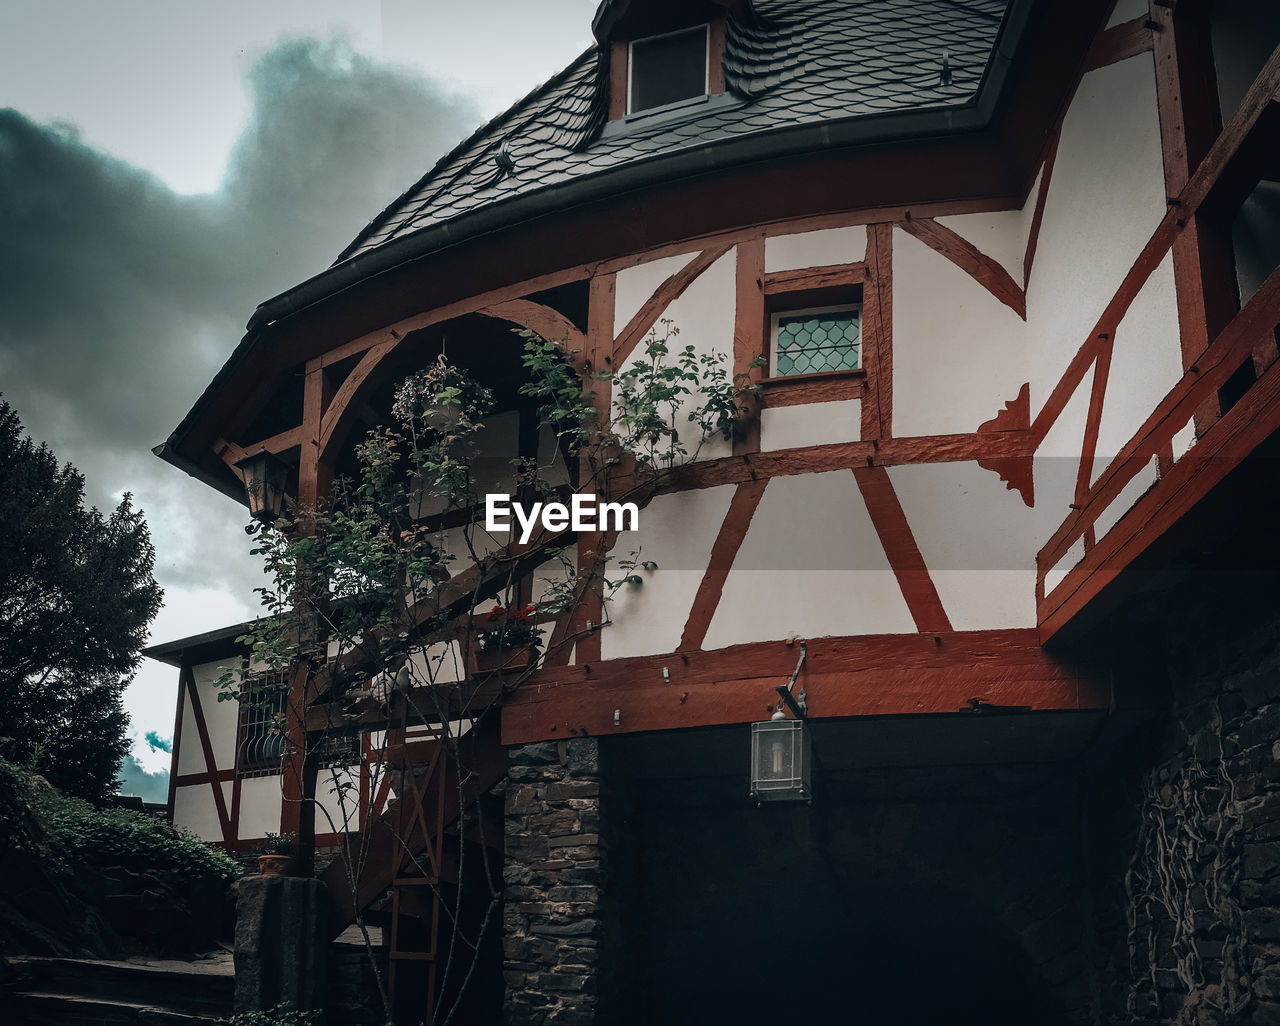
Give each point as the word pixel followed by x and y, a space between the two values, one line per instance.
pixel 95 992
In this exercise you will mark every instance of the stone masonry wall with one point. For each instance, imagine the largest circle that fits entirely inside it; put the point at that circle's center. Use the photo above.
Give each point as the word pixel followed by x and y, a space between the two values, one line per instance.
pixel 1201 939
pixel 555 861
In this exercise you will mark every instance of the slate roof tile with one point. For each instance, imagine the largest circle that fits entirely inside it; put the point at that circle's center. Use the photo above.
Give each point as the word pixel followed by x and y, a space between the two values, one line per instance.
pixel 802 62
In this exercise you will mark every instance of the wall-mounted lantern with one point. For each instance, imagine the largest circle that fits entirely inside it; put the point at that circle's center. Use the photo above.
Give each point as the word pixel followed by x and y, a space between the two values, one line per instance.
pixel 780 760
pixel 264 475
pixel 780 753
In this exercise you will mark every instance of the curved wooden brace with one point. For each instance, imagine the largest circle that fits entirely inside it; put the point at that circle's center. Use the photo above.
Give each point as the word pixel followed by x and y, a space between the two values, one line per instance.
pixel 549 323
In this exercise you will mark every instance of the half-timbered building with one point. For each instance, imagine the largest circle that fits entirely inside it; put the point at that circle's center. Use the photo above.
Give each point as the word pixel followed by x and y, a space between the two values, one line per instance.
pixel 1004 273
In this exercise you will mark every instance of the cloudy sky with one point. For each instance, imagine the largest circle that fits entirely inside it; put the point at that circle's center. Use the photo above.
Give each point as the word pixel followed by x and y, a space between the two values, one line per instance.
pixel 164 168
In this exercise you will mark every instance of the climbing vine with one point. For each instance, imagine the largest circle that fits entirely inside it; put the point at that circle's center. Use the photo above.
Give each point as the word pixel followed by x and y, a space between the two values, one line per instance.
pixel 384 597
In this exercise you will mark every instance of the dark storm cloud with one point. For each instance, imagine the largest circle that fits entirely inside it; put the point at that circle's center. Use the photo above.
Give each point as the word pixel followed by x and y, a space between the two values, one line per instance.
pixel 120 299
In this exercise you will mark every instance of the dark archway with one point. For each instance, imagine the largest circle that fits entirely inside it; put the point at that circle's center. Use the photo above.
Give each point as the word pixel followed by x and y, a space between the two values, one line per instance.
pixel 822 914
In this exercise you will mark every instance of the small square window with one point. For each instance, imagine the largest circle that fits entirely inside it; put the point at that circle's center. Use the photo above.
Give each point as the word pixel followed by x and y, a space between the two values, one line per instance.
pixel 667 69
pixel 816 341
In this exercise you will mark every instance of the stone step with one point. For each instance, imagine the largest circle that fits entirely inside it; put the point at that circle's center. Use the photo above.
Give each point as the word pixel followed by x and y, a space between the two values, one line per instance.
pixel 205 987
pixel 38 1008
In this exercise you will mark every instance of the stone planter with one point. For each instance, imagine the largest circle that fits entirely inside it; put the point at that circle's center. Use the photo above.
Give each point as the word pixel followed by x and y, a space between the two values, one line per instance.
pixel 506 659
pixel 275 865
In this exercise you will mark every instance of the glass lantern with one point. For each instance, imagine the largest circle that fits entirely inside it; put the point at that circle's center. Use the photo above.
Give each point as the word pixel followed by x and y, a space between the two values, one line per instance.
pixel 264 476
pixel 780 761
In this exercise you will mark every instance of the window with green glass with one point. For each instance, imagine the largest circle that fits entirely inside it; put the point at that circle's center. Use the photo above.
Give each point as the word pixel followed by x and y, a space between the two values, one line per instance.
pixel 817 341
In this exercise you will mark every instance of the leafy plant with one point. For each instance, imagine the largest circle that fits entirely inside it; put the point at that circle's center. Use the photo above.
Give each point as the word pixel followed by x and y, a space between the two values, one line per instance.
pixel 79 832
pixel 511 629
pixel 278 844
pixel 661 386
pixel 283 1014
pixel 367 607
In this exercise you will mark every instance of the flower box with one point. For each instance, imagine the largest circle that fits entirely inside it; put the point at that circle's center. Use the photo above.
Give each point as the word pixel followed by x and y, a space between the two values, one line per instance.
pixel 489 660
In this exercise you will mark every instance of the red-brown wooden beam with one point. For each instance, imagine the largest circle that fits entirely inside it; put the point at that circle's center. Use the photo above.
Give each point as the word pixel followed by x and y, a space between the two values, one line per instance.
pixel 668 292
pixel 986 271
pixel 877 334
pixel 877 675
pixel 900 547
pixel 1120 42
pixel 188 680
pixel 1219 361
pixel 732 532
pixel 1219 451
pixel 749 334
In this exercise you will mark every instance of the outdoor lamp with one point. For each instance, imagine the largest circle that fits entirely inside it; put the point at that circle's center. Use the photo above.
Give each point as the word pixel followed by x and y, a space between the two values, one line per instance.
pixel 780 755
pixel 780 760
pixel 264 475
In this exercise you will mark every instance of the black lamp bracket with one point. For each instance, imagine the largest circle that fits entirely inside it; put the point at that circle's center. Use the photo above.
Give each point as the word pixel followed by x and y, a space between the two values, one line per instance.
pixel 795 703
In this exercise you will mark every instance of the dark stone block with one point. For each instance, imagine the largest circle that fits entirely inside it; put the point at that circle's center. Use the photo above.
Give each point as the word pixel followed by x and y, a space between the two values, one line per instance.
pixel 281 942
pixel 584 757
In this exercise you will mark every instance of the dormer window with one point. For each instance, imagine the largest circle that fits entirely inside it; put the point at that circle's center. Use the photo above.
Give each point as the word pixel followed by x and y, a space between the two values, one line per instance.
pixel 667 69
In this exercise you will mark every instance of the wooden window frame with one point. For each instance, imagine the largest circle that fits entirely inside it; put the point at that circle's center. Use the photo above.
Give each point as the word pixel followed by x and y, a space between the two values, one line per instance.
pixel 822 386
pixel 620 69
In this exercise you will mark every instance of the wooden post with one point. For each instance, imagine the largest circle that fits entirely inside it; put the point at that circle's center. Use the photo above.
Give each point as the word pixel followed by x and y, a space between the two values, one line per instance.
pixel 315 478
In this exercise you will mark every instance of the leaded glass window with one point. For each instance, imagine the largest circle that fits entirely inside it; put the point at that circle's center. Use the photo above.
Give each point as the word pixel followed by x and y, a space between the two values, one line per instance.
pixel 816 341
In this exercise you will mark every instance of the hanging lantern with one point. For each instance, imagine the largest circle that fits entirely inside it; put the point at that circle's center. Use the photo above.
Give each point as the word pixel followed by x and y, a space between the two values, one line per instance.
pixel 780 760
pixel 264 475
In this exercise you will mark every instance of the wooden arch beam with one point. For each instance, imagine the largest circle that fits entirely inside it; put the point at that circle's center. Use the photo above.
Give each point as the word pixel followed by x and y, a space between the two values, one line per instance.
pixel 550 324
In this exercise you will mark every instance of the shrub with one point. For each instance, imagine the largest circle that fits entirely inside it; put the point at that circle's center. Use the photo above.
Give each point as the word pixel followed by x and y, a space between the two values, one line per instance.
pixel 281 1015
pixel 82 833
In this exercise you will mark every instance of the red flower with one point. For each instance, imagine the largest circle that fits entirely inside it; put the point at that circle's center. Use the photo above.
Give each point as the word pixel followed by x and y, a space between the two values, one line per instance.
pixel 521 615
pixel 496 613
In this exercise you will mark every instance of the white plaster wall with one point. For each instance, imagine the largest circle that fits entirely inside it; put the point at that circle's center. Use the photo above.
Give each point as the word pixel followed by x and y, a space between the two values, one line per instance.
pixel 959 354
pixel 1146 362
pixel 1056 573
pixel 222 719
pixel 1129 494
pixel 1057 463
pixel 331 806
pixel 810 565
pixel 704 316
pixel 977 539
pixel 816 249
pixel 1127 10
pixel 1106 197
pixel 1001 235
pixel 789 427
pixel 260 806
pixel 1184 439
pixel 194 810
pixel 190 753
pixel 554 571
pixel 634 285
pixel 676 531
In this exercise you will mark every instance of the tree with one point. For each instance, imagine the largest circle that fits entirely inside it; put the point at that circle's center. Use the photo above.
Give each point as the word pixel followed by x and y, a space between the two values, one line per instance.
pixel 76 598
pixel 388 594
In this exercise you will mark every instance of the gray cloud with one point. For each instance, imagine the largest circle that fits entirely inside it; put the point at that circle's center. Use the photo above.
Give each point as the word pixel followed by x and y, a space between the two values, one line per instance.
pixel 119 299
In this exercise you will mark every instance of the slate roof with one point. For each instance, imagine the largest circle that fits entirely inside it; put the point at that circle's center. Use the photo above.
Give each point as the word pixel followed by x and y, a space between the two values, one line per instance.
pixel 813 62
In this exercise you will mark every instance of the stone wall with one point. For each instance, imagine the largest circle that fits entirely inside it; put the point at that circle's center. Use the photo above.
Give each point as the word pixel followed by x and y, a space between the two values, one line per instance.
pixel 1200 942
pixel 556 852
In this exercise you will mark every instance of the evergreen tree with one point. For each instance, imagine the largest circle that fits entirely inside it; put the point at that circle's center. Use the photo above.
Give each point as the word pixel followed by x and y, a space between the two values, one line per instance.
pixel 76 598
